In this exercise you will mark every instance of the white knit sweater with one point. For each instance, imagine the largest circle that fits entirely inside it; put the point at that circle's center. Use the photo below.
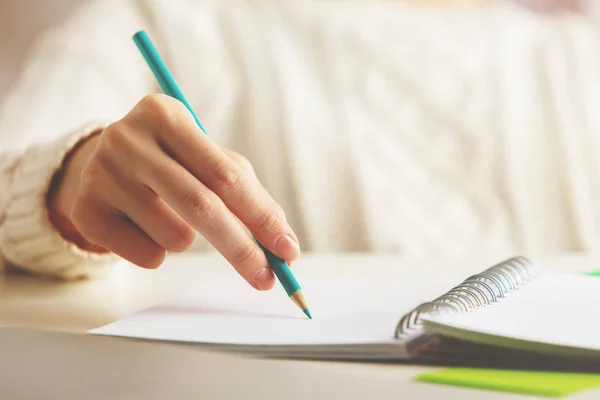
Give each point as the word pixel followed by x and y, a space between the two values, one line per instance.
pixel 377 126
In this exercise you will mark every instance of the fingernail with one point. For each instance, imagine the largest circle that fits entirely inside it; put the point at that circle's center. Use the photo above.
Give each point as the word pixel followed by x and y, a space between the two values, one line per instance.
pixel 263 279
pixel 287 248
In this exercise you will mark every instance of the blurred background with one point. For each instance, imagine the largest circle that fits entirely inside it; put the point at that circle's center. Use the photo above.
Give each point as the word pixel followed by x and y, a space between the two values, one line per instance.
pixel 22 20
pixel 20 23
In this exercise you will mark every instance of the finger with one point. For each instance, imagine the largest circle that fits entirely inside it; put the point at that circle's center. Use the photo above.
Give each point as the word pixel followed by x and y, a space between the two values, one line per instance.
pixel 121 154
pixel 238 191
pixel 245 196
pixel 205 212
pixel 174 128
pixel 245 165
pixel 153 216
pixel 106 228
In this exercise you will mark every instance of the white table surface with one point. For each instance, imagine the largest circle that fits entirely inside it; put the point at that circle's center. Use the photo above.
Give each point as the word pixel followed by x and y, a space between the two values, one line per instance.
pixel 78 307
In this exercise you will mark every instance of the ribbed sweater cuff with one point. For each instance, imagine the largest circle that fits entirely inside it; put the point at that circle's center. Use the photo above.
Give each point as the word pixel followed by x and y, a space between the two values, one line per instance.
pixel 29 240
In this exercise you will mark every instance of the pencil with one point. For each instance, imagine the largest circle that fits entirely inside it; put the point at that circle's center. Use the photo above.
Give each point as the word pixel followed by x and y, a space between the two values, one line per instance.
pixel 169 86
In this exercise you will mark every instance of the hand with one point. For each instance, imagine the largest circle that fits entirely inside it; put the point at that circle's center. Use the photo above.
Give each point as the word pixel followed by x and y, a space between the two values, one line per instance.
pixel 147 183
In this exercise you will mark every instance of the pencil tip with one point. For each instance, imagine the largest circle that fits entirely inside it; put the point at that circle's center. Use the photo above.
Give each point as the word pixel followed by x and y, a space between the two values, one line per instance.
pixel 298 299
pixel 307 312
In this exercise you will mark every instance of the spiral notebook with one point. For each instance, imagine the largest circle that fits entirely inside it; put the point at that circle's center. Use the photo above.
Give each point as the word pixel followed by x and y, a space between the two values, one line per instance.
pixel 512 314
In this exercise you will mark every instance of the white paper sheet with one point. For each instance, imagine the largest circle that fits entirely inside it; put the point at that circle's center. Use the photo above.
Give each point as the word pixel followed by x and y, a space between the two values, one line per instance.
pixel 345 311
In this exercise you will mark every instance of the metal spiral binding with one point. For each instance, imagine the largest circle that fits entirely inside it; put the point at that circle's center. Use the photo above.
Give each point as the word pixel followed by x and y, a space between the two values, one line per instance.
pixel 475 292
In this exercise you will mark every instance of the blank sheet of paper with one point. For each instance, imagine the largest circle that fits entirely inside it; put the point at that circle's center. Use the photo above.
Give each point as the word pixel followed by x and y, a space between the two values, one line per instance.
pixel 345 311
pixel 556 309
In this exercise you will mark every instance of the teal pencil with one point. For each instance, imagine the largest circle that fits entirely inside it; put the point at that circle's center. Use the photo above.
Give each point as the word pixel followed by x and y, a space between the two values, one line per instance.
pixel 170 87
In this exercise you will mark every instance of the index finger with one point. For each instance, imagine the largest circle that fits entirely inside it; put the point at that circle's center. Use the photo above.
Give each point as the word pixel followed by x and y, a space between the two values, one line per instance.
pixel 204 159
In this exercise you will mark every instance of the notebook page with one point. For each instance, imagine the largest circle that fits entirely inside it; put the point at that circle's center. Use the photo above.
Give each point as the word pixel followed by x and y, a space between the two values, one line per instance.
pixel 556 309
pixel 345 311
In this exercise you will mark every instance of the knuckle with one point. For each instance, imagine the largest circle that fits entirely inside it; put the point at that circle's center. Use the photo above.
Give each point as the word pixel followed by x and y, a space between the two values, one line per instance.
pixel 92 175
pixel 116 139
pixel 227 177
pixel 155 104
pixel 246 254
pixel 241 161
pixel 113 136
pixel 173 234
pixel 267 221
pixel 200 204
pixel 161 110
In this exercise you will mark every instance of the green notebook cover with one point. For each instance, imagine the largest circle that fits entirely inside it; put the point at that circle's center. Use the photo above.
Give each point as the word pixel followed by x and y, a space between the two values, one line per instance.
pixel 549 384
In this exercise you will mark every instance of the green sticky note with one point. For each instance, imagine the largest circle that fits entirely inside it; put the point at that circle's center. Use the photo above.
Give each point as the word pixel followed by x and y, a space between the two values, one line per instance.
pixel 593 273
pixel 549 384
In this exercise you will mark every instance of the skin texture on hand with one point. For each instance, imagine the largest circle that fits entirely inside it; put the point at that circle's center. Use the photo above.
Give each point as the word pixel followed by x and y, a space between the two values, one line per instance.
pixel 149 182
pixel 63 190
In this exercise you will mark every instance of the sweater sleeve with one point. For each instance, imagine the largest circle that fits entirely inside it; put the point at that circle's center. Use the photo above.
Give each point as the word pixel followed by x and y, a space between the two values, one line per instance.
pixel 78 73
pixel 28 239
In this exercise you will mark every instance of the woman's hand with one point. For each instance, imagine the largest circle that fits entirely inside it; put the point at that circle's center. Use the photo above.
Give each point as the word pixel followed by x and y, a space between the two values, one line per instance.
pixel 147 183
